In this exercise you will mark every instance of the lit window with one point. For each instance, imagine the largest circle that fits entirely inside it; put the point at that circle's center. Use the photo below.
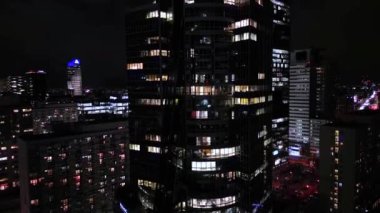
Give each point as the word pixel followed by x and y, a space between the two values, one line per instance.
pixel 159 14
pixel 155 138
pixel 261 76
pixel 153 53
pixel 211 203
pixel 153 149
pixel 203 166
pixel 203 141
pixel 34 202
pixel 135 147
pixel 146 183
pixel 199 114
pixel 243 23
pixel 135 66
pixel 218 153
pixel 203 90
pixel 152 102
pixel 156 78
pixel 244 37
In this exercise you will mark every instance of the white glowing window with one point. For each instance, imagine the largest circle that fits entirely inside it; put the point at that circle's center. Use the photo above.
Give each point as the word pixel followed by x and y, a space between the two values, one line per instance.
pixel 218 153
pixel 34 202
pixel 152 102
pixel 153 149
pixel 260 2
pixel 135 147
pixel 211 203
pixel 135 66
pixel 244 37
pixel 153 53
pixel 199 114
pixel 261 76
pixel 203 141
pixel 154 40
pixel 203 166
pixel 189 1
pixel 159 14
pixel 243 23
pixel 155 138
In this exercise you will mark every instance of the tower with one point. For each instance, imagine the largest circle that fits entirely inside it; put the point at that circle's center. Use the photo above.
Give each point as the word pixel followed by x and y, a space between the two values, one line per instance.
pixel 199 73
pixel 74 77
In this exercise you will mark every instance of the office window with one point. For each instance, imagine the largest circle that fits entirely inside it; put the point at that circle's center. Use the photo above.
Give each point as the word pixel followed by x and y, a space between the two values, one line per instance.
pixel 135 66
pixel 203 166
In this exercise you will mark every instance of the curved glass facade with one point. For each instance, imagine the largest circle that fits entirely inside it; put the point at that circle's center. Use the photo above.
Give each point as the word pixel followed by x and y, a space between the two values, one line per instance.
pixel 212 111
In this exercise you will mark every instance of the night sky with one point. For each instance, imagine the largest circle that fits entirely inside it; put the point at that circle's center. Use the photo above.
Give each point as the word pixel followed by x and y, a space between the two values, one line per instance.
pixel 45 34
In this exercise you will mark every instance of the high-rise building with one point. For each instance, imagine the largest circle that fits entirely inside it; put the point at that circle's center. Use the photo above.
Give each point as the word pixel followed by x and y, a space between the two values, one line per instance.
pixel 15 120
pixel 78 167
pixel 199 73
pixel 74 77
pixel 349 164
pixel 17 85
pixel 280 80
pixel 32 84
pixel 47 113
pixel 36 86
pixel 309 101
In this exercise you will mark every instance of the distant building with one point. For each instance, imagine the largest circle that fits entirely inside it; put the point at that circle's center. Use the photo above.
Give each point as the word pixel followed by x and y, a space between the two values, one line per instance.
pixel 95 106
pixel 45 114
pixel 15 120
pixel 349 164
pixel 17 85
pixel 36 86
pixel 32 84
pixel 309 101
pixel 78 168
pixel 74 77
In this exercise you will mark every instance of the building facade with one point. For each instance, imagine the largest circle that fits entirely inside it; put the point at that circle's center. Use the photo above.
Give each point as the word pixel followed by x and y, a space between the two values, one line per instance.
pixel 93 106
pixel 74 77
pixel 15 120
pixel 17 85
pixel 47 113
pixel 308 103
pixel 280 80
pixel 200 78
pixel 36 84
pixel 79 167
pixel 349 164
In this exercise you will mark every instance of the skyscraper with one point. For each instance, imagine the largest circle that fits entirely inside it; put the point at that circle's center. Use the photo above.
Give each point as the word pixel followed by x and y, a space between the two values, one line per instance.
pixel 199 73
pixel 17 85
pixel 349 164
pixel 36 84
pixel 74 77
pixel 308 102
pixel 280 79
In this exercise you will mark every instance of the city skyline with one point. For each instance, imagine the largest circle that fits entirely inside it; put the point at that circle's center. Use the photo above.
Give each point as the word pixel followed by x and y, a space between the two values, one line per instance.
pixel 46 34
pixel 214 106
